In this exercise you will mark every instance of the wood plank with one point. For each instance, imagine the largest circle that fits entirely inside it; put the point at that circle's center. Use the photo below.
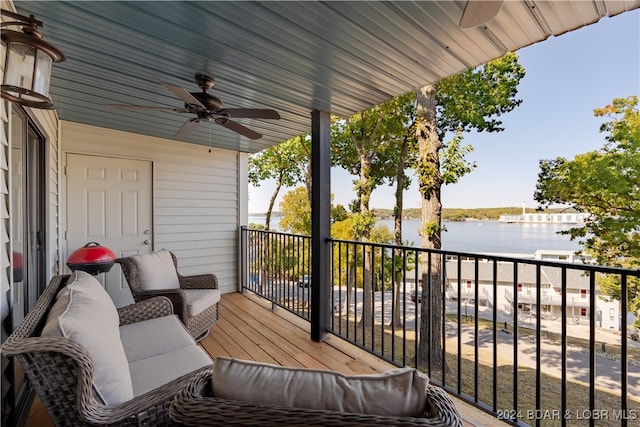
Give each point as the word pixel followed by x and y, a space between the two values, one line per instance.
pixel 279 329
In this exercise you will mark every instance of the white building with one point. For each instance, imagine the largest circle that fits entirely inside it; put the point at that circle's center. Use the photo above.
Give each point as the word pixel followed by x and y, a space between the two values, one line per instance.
pixel 546 218
pixel 511 289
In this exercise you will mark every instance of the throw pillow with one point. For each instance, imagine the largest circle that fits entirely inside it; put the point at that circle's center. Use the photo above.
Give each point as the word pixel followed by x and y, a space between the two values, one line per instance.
pixel 398 392
pixel 156 271
pixel 84 313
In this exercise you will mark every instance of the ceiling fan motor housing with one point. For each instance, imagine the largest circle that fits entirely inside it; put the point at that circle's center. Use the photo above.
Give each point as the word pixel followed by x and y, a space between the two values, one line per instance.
pixel 211 102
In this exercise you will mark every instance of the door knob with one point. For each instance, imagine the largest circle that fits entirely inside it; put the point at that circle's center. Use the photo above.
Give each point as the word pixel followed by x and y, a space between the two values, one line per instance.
pixel 147 231
pixel 147 242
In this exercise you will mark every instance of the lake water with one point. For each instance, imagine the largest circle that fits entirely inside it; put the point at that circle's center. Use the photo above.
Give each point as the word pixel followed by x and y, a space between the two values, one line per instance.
pixel 483 236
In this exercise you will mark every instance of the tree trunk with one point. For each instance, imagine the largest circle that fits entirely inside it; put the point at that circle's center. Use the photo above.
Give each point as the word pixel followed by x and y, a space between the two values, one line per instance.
pixel 430 182
pixel 365 196
pixel 272 201
pixel 263 273
pixel 397 321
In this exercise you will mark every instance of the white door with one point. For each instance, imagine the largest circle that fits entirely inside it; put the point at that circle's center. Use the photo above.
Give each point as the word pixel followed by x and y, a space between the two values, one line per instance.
pixel 109 201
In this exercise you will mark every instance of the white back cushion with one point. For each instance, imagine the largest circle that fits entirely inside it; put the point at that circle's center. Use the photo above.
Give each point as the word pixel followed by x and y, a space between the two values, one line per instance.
pixel 399 392
pixel 156 271
pixel 84 313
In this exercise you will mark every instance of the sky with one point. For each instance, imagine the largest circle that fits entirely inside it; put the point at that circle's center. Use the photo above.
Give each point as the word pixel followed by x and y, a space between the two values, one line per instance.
pixel 567 77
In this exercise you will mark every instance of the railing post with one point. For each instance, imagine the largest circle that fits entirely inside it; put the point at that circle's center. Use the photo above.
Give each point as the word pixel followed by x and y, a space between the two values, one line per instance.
pixel 320 222
pixel 244 253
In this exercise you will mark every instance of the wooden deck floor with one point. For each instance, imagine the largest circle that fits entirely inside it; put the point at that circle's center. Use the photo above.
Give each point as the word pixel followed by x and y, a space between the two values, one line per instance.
pixel 249 329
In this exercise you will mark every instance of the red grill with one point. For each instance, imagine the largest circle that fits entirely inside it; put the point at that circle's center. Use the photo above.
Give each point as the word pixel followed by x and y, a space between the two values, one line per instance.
pixel 92 258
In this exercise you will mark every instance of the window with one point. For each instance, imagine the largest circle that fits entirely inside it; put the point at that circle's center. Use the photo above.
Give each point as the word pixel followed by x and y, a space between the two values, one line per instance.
pixel 27 214
pixel 27 170
pixel 583 293
pixel 612 313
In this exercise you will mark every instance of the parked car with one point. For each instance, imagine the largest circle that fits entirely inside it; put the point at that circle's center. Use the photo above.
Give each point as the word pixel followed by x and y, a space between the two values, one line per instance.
pixel 415 296
pixel 304 281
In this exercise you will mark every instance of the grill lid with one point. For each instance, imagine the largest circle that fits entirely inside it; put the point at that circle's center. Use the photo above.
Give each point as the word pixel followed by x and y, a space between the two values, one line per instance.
pixel 92 258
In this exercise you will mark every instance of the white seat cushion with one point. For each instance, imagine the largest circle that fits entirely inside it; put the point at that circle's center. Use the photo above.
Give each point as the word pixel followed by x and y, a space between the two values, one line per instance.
pixel 399 392
pixel 156 271
pixel 199 300
pixel 153 372
pixel 154 336
pixel 84 313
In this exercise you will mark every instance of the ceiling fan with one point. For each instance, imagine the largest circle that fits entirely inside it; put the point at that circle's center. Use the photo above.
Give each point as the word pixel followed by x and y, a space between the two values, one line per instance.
pixel 478 12
pixel 208 108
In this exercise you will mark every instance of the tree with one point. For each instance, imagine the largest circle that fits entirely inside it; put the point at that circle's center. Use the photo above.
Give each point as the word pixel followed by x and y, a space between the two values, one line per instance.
pixel 296 212
pixel 471 100
pixel 359 146
pixel 406 149
pixel 287 163
pixel 606 184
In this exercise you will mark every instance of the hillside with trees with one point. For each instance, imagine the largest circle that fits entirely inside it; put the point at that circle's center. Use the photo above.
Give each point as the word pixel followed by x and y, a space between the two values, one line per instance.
pixel 469 214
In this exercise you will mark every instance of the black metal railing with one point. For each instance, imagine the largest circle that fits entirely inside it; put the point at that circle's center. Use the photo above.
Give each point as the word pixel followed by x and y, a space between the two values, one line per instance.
pixel 277 267
pixel 531 341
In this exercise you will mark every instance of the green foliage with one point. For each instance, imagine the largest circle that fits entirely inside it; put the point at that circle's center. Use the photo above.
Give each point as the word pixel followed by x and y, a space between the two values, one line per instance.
pixel 430 229
pixel 380 233
pixel 338 213
pixel 471 100
pixel 362 224
pixel 280 162
pixel 296 212
pixel 286 163
pixel 474 99
pixel 351 254
pixel 453 162
pixel 604 183
pixel 365 144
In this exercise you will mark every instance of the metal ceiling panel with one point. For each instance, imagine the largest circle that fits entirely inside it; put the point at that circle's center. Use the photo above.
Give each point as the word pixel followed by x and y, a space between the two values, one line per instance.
pixel 289 56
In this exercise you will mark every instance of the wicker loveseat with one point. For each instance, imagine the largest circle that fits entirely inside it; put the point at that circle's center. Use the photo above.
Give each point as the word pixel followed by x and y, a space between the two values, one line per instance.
pixel 64 373
pixel 194 298
pixel 198 405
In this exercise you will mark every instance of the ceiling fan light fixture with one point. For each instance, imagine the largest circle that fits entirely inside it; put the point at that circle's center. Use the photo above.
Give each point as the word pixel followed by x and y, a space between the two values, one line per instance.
pixel 479 12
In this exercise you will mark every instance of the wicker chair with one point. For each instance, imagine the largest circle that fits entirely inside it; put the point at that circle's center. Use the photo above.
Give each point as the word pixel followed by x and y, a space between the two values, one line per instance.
pixel 195 406
pixel 199 325
pixel 61 371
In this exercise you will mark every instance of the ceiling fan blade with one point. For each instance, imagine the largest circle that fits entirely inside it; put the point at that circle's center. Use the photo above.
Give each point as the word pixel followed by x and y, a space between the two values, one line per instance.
pixel 237 127
pixel 253 113
pixel 183 94
pixel 187 128
pixel 479 12
pixel 145 107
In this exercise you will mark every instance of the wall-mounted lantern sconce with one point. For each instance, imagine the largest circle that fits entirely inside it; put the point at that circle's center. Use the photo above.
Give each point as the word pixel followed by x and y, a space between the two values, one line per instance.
pixel 27 62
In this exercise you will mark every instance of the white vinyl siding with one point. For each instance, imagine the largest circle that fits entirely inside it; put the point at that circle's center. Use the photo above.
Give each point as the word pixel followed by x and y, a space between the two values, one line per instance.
pixel 5 223
pixel 195 200
pixel 48 124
